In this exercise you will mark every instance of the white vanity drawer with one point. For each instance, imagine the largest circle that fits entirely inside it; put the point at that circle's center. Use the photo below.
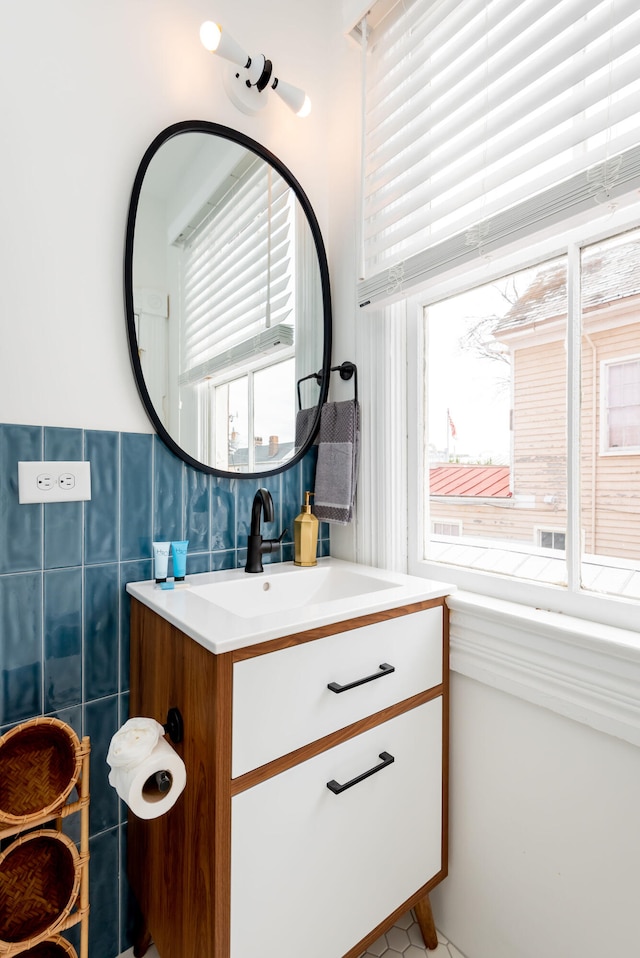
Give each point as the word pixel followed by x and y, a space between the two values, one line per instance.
pixel 281 700
pixel 300 851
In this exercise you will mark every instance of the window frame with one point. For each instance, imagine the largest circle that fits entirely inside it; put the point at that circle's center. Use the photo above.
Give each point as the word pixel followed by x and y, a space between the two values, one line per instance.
pixel 571 599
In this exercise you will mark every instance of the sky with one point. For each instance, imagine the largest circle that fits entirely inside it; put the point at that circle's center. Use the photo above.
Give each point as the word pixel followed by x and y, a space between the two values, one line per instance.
pixel 474 389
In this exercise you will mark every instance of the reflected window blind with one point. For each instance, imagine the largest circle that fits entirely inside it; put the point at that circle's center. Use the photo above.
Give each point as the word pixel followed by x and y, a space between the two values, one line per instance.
pixel 488 118
pixel 237 268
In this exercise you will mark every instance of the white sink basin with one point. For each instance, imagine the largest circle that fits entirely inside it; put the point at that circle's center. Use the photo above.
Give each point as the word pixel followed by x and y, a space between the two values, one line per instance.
pixel 232 609
pixel 263 594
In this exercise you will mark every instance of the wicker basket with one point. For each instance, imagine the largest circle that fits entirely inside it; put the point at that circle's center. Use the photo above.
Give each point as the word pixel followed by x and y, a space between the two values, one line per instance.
pixel 39 883
pixel 55 947
pixel 40 762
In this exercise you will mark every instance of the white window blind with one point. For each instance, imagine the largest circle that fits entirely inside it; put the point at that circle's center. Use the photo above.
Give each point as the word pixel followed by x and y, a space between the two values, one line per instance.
pixel 489 119
pixel 237 273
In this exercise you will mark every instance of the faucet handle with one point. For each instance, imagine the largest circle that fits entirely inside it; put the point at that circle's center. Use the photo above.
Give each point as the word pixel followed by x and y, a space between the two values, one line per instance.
pixel 274 542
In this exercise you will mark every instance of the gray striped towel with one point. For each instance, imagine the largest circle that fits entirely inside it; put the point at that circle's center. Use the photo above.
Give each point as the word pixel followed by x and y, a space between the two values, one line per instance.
pixel 337 467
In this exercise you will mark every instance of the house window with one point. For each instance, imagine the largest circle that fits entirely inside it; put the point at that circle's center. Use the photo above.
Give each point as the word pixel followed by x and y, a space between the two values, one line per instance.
pixel 622 406
pixel 446 528
pixel 551 539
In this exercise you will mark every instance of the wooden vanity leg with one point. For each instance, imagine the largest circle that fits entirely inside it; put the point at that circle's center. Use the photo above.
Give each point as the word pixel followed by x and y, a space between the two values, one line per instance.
pixel 424 916
pixel 141 938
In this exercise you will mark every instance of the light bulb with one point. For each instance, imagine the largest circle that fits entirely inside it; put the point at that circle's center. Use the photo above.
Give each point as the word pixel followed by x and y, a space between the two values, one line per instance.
pixel 210 36
pixel 216 40
pixel 305 109
pixel 295 98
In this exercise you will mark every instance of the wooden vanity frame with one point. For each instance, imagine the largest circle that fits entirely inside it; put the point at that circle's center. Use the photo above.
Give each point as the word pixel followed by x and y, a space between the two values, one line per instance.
pixel 187 852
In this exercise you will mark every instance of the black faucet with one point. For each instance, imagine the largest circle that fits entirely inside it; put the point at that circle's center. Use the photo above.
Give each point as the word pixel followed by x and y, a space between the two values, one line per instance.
pixel 256 545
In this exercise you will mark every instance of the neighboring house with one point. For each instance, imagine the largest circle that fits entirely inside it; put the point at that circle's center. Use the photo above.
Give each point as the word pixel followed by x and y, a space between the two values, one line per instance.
pixel 533 509
pixel 264 454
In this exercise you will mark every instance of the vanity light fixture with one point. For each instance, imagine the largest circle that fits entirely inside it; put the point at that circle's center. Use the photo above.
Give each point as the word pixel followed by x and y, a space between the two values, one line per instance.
pixel 250 76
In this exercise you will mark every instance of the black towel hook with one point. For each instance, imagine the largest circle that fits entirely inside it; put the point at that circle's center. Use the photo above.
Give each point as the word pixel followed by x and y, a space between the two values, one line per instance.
pixel 346 369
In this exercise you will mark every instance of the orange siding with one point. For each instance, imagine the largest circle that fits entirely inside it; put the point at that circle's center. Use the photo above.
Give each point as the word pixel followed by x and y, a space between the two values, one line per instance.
pixel 539 418
pixel 611 490
pixel 610 485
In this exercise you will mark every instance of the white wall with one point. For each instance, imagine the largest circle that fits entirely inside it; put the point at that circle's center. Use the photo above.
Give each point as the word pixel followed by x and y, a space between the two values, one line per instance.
pixel 86 87
pixel 545 841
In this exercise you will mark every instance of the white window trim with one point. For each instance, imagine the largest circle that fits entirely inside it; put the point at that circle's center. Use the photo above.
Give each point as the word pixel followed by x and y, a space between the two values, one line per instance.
pixel 605 448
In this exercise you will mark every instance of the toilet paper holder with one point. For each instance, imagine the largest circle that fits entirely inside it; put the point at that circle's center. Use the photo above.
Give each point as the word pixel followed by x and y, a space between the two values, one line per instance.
pixel 173 726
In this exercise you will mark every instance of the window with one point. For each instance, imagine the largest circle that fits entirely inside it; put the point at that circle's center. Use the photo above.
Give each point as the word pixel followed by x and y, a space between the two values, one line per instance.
pixel 551 539
pixel 446 528
pixel 610 415
pixel 499 408
pixel 502 143
pixel 246 439
pixel 621 406
pixel 496 420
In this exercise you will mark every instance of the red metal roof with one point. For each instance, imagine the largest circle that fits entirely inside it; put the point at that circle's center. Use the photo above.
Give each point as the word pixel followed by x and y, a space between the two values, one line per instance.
pixel 462 480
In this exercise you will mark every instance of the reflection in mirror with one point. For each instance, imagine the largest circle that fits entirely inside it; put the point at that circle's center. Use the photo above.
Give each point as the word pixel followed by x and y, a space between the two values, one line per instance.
pixel 229 302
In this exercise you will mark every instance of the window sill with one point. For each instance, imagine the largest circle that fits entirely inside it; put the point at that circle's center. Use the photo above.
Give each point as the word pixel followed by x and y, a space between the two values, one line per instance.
pixel 583 670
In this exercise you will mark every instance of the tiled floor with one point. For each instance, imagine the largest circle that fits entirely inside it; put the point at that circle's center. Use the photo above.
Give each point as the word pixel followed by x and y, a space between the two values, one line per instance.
pixel 404 939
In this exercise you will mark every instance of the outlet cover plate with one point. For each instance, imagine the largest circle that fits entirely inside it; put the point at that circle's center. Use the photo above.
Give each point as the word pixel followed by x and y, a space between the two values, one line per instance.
pixel 54 481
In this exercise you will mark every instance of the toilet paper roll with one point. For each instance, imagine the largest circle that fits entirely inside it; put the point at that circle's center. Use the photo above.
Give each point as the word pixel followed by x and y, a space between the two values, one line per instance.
pixel 151 786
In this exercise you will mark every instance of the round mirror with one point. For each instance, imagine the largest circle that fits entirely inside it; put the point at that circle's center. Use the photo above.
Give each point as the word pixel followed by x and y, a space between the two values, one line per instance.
pixel 227 301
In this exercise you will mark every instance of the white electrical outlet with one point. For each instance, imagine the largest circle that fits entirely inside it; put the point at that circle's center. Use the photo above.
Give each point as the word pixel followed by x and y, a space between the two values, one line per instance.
pixel 54 481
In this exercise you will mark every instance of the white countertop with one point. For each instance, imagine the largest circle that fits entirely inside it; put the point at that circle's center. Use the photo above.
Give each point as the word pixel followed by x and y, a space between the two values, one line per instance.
pixel 220 630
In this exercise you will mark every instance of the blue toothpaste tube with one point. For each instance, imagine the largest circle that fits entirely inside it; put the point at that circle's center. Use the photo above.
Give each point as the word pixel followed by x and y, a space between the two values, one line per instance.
pixel 179 553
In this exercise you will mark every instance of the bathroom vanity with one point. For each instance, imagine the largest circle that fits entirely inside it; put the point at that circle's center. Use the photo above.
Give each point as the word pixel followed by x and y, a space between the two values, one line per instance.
pixel 314 705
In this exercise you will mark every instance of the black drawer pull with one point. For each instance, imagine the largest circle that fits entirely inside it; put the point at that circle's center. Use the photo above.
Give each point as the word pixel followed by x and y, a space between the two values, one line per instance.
pixel 385 669
pixel 386 760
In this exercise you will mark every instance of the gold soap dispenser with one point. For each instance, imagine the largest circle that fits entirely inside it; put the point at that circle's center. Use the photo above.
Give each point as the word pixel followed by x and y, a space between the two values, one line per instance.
pixel 305 535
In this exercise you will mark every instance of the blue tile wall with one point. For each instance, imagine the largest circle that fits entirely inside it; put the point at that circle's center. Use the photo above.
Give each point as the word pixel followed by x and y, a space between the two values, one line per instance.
pixel 64 611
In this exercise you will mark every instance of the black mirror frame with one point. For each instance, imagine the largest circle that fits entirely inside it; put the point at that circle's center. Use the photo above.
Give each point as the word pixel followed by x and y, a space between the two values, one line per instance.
pixel 216 129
